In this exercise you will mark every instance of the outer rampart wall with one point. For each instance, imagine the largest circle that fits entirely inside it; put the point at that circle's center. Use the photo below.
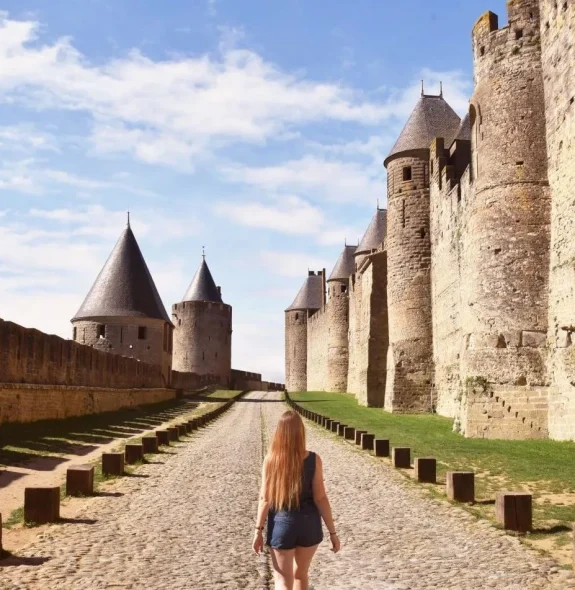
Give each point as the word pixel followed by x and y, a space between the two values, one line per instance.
pixel 30 403
pixel 30 356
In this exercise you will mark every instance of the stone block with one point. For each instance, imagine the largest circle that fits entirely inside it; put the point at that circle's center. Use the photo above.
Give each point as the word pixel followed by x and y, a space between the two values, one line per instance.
pixel 182 430
pixel 134 453
pixel 188 427
pixel 514 510
pixel 42 505
pixel 426 469
pixel 461 486
pixel 192 425
pixel 327 424
pixel 401 457
pixel 150 444
pixel 113 463
pixel 173 433
pixel 358 434
pixel 533 339
pixel 349 433
pixel 163 437
pixel 80 480
pixel 381 447
pixel 334 426
pixel 341 429
pixel 367 441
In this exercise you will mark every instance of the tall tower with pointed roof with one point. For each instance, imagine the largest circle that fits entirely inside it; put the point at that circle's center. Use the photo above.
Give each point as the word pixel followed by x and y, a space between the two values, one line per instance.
pixel 123 312
pixel 203 329
pixel 310 299
pixel 410 354
pixel 338 320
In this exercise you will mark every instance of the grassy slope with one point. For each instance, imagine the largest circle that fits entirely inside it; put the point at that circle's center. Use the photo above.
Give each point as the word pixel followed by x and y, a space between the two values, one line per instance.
pixel 544 467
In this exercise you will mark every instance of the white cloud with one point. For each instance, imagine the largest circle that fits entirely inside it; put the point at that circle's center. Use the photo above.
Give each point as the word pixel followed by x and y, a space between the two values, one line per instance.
pixel 26 138
pixel 292 264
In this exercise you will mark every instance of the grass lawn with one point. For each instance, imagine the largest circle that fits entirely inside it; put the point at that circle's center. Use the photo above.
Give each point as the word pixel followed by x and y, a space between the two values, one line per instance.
pixel 544 467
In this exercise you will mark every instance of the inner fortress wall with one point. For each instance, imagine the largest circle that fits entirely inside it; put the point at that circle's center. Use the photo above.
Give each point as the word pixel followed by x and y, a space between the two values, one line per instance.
pixel 358 334
pixel 337 311
pixel 558 58
pixel 317 351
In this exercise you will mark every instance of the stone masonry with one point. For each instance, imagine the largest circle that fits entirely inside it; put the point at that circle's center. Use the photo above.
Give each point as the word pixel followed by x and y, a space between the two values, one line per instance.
pixel 475 311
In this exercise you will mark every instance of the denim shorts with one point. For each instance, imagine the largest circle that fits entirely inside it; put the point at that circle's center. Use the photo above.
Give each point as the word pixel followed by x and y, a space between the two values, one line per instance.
pixel 288 530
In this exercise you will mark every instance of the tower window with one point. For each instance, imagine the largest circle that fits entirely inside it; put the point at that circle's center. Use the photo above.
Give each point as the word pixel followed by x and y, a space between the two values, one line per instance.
pixel 422 233
pixel 343 288
pixel 142 332
pixel 482 51
pixel 403 213
pixel 518 33
pixel 74 333
pixel 297 316
pixel 101 331
pixel 406 173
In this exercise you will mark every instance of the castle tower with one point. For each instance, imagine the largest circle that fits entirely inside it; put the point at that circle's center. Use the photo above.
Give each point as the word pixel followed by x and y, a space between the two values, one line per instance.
pixel 123 313
pixel 373 236
pixel 558 58
pixel 338 320
pixel 505 245
pixel 311 298
pixel 410 361
pixel 203 329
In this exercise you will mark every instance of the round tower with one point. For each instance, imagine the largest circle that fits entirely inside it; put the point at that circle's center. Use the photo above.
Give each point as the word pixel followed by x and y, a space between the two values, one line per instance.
pixel 123 313
pixel 309 299
pixel 203 329
pixel 338 321
pixel 410 353
pixel 505 244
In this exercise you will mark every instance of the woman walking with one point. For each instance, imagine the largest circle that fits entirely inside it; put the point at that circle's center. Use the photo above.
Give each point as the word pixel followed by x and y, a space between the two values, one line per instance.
pixel 294 501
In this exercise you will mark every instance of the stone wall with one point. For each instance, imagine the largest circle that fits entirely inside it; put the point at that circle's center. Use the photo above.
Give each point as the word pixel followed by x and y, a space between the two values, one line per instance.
pixel 317 351
pixel 23 403
pixel 203 338
pixel 505 412
pixel 30 356
pixel 337 311
pixel 558 57
pixel 193 381
pixel 358 329
pixel 296 350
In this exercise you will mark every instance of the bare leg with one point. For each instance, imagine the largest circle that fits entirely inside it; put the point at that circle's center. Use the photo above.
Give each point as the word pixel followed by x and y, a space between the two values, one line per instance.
pixel 283 560
pixel 303 557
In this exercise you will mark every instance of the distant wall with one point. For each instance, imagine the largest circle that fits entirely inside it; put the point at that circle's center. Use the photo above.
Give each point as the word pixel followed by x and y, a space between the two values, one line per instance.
pixel 23 403
pixel 193 381
pixel 247 381
pixel 317 351
pixel 30 356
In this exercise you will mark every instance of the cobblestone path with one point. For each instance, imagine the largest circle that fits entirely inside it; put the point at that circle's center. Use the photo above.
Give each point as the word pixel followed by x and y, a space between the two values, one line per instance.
pixel 186 523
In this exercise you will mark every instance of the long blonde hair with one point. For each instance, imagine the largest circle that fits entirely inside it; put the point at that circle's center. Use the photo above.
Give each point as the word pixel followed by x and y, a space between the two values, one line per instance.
pixel 284 463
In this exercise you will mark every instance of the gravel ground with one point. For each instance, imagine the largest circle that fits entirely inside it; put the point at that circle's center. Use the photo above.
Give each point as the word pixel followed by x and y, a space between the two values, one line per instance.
pixel 186 522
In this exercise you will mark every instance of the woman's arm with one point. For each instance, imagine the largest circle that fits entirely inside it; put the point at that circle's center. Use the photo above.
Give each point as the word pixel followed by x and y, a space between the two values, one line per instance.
pixel 321 501
pixel 263 509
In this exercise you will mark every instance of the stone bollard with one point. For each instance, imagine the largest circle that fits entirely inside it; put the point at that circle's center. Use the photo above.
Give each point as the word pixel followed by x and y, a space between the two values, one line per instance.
pixel 188 427
pixel 163 437
pixel 192 425
pixel 381 447
pixel 327 424
pixel 150 444
pixel 349 433
pixel 41 505
pixel 80 480
pixel 514 510
pixel 334 426
pixel 426 469
pixel 401 457
pixel 182 430
pixel 367 441
pixel 113 463
pixel 341 429
pixel 173 433
pixel 134 453
pixel 358 434
pixel 460 486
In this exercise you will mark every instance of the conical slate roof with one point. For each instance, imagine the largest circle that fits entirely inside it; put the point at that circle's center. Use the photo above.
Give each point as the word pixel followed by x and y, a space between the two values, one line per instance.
pixel 124 287
pixel 375 233
pixel 432 117
pixel 464 131
pixel 344 266
pixel 309 296
pixel 203 287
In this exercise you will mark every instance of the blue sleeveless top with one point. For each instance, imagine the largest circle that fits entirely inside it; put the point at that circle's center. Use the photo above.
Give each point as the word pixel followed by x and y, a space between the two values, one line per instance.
pixel 306 503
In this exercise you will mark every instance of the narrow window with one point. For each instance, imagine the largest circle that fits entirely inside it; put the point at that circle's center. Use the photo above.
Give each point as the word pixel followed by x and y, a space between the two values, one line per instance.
pixel 297 316
pixel 432 167
pixel 74 333
pixel 344 288
pixel 422 233
pixel 142 332
pixel 518 33
pixel 101 331
pixel 482 51
pixel 403 213
pixel 406 173
pixel 83 335
pixel 121 335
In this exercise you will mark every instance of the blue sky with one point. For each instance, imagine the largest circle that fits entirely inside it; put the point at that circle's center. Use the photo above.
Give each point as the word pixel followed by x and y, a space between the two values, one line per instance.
pixel 255 128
